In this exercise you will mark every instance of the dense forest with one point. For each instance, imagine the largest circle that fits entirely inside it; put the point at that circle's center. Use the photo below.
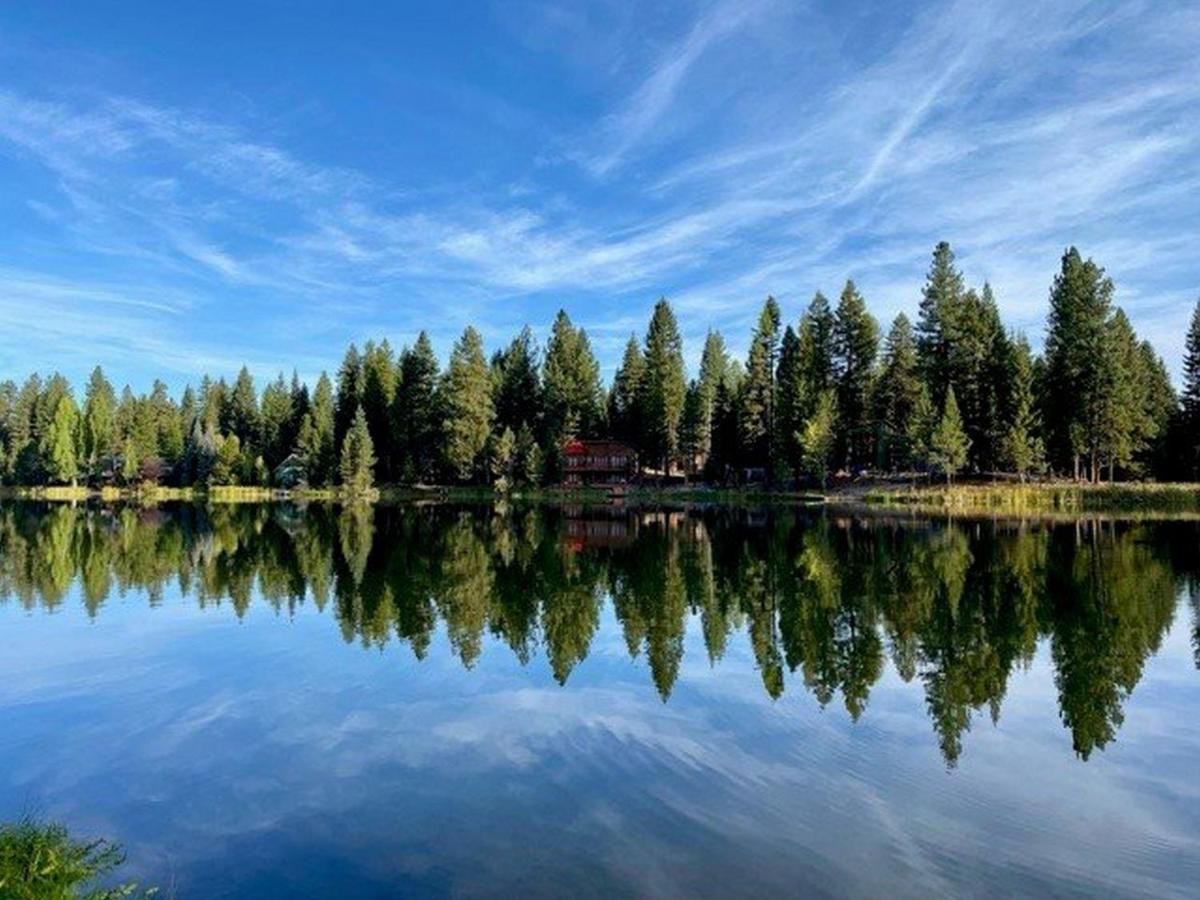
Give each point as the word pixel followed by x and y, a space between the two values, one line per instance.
pixel 825 602
pixel 956 392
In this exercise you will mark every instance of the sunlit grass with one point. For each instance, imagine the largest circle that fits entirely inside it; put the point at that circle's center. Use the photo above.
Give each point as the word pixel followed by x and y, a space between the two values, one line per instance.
pixel 1049 497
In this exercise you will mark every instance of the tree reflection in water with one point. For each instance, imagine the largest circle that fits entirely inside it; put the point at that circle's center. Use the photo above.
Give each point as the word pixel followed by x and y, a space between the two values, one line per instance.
pixel 826 600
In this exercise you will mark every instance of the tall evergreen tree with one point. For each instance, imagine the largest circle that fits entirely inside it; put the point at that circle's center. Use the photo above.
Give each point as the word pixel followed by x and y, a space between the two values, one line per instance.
pixel 316 442
pixel 574 398
pixel 1078 366
pixel 623 419
pixel 59 444
pixel 518 397
pixel 98 434
pixel 378 397
pixel 937 324
pixel 856 344
pixel 1022 449
pixel 661 388
pixel 1188 426
pixel 791 403
pixel 467 408
pixel 417 414
pixel 714 370
pixel 897 395
pixel 349 392
pixel 357 462
pixel 816 349
pixel 241 410
pixel 276 420
pixel 758 387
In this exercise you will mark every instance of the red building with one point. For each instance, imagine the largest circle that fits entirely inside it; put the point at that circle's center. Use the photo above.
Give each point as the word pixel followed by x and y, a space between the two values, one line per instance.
pixel 598 462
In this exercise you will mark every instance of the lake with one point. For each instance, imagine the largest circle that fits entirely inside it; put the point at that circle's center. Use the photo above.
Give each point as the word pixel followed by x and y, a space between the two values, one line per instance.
pixel 286 701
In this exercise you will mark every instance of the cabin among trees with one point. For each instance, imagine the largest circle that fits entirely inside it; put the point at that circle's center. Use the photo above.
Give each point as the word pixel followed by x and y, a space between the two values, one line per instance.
pixel 826 393
pixel 598 463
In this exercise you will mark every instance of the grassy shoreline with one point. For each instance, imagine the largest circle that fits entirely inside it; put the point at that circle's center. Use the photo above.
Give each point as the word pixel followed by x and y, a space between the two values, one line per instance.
pixel 1032 497
pixel 1069 497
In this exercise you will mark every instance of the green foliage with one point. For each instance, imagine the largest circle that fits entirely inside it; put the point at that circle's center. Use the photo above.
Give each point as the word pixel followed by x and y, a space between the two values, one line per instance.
pixel 1079 366
pixel 948 445
pixel 357 461
pixel 467 408
pixel 661 388
pixel 518 389
pixel 502 458
pixel 856 344
pixel 941 301
pixel 818 441
pixel 897 396
pixel 417 415
pixel 43 862
pixel 574 404
pixel 758 387
pixel 624 418
pixel 315 442
pixel 1022 449
pixel 58 444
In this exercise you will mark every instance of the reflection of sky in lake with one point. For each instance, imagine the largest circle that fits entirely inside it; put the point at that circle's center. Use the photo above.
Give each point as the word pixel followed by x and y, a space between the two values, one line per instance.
pixel 267 758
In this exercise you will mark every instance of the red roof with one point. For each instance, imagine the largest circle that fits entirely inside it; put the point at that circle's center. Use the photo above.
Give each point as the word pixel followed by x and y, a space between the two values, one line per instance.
pixel 597 448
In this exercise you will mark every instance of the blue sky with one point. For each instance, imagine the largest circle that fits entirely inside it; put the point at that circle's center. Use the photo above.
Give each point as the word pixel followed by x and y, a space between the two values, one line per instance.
pixel 187 188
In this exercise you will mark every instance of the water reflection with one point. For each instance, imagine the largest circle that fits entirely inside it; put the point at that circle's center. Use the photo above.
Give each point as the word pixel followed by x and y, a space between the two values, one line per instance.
pixel 825 600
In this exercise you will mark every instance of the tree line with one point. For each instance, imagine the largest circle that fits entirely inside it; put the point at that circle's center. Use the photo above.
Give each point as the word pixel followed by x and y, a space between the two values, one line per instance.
pixel 955 392
pixel 825 603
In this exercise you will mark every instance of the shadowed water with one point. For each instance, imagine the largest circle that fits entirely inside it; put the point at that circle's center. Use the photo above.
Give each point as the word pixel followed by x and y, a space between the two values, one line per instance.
pixel 264 701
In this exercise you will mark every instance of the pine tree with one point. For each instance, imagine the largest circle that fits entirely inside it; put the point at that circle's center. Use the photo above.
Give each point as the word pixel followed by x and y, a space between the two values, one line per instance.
pixel 791 404
pixel 714 370
pixel 1159 411
pixel 897 395
pixel 661 389
pixel 315 443
pixel 949 443
pixel 417 415
pixel 98 433
pixel 241 410
pixel 1120 419
pixel 1077 366
pixel 1191 368
pixel 818 441
pixel 816 349
pixel 691 427
pixel 228 461
pixel 1022 449
pixel 856 344
pixel 624 421
pixel 574 398
pixel 919 432
pixel 59 443
pixel 518 399
pixel 357 461
pixel 467 407
pixel 349 393
pixel 941 302
pixel 502 459
pixel 529 457
pixel 1189 425
pixel 276 422
pixel 758 387
pixel 378 397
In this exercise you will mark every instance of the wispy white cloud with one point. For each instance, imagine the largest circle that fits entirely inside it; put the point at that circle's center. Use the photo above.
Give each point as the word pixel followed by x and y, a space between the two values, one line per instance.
pixel 727 164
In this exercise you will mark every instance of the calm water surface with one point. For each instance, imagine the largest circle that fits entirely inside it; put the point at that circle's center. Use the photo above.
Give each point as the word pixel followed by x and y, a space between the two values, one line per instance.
pixel 283 701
